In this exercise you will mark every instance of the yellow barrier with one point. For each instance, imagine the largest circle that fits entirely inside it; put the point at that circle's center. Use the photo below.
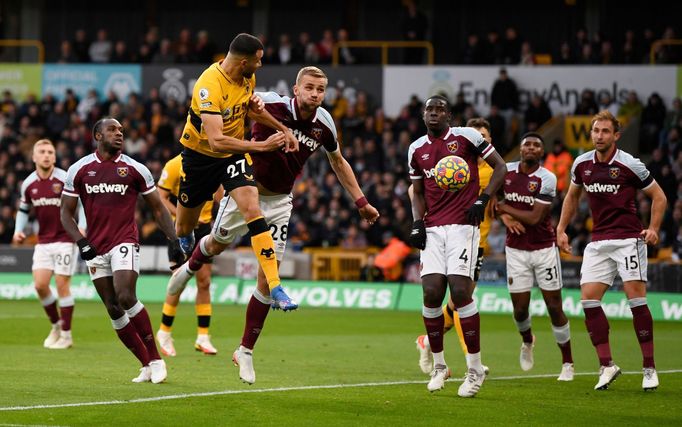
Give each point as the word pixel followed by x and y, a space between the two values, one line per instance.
pixel 660 43
pixel 384 46
pixel 337 264
pixel 26 43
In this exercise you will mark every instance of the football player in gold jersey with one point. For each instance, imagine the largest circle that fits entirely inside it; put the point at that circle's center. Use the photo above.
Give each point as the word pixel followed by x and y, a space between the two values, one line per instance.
pixel 216 153
pixel 169 187
pixel 451 316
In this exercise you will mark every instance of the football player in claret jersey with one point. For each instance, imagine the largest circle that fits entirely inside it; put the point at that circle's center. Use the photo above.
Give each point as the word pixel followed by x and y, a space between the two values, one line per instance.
pixel 168 185
pixel 611 178
pixel 314 128
pixel 450 314
pixel 446 230
pixel 108 183
pixel 531 252
pixel 55 252
pixel 216 153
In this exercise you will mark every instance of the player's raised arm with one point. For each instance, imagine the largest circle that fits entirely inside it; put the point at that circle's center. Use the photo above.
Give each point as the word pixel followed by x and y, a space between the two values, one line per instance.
pixel 658 205
pixel 476 212
pixel 567 212
pixel 213 126
pixel 347 178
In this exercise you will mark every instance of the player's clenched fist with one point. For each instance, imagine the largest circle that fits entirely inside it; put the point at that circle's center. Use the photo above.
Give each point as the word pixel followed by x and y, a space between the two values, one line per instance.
pixel 87 251
pixel 418 235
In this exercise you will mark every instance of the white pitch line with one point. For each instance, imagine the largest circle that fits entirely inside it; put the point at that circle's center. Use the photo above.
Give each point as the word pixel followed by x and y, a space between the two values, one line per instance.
pixel 280 389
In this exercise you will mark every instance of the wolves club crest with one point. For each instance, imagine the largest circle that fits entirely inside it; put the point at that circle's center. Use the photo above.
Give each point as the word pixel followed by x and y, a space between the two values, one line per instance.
pixel 317 133
pixel 614 172
pixel 532 186
pixel 57 187
pixel 122 171
pixel 452 146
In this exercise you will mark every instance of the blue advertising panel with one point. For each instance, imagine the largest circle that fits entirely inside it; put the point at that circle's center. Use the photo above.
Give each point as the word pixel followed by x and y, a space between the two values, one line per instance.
pixel 121 79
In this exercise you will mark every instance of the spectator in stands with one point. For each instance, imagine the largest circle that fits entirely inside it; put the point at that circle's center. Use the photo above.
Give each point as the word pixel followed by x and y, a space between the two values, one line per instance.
pixel 100 49
pixel 472 53
pixel 304 51
pixel 144 54
pixel 458 108
pixel 537 113
pixel 527 54
pixel 414 27
pixel 325 47
pixel 493 48
pixel 629 53
pixel 511 47
pixel 559 162
pixel 66 55
pixel 579 41
pixel 284 50
pixel 505 96
pixel 565 55
pixel 632 107
pixel 165 54
pixel 121 55
pixel 205 49
pixel 672 146
pixel 606 103
pixel 347 56
pixel 651 125
pixel 673 118
pixel 587 106
pixel 81 46
pixel 606 55
pixel 498 124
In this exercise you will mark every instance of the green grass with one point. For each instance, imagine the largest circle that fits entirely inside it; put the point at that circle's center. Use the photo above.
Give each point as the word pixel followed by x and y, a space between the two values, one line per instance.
pixel 321 347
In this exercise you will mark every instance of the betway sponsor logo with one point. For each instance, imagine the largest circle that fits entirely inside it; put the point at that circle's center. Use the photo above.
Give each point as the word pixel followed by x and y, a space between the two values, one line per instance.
pixel 602 188
pixel 516 197
pixel 305 140
pixel 47 201
pixel 106 188
pixel 428 173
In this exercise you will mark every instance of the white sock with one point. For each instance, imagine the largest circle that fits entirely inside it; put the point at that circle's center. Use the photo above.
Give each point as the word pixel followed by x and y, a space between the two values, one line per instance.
pixel 439 358
pixel 474 361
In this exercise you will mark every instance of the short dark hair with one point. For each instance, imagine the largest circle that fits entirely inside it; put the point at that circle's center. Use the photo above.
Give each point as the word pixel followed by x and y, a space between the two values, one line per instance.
pixel 439 97
pixel 533 135
pixel 478 122
pixel 245 44
pixel 97 128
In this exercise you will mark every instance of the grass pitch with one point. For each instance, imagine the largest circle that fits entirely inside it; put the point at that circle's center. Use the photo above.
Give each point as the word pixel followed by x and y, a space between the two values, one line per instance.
pixel 321 367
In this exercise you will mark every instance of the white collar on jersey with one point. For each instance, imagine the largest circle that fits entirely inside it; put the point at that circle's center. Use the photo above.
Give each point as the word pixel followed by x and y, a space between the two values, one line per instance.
pixel 445 135
pixel 99 160
pixel 611 160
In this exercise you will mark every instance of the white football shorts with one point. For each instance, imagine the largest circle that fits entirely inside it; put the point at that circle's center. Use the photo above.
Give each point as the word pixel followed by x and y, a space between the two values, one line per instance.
pixel 603 259
pixel 230 225
pixel 60 257
pixel 451 249
pixel 125 256
pixel 524 268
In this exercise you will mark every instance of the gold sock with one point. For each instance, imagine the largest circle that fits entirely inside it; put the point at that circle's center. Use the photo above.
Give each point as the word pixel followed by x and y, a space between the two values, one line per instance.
pixel 264 249
pixel 167 316
pixel 204 312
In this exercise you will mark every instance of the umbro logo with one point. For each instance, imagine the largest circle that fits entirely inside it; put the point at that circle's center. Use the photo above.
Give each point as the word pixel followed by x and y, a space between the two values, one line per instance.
pixel 425 156
pixel 415 232
pixel 92 173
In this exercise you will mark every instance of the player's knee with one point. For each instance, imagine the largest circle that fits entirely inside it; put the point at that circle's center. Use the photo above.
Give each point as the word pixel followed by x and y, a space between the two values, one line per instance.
pixel 460 297
pixel 126 298
pixel 251 211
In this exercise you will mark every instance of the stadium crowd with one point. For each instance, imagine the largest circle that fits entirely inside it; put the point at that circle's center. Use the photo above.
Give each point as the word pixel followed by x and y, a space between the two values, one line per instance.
pixel 374 145
pixel 507 47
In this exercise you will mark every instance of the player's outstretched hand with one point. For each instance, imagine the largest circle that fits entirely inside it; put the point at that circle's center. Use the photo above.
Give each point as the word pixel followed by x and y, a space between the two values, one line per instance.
pixel 175 254
pixel 650 236
pixel 562 242
pixel 274 142
pixel 369 213
pixel 291 142
pixel 476 212
pixel 256 104
pixel 87 251
pixel 418 235
pixel 513 225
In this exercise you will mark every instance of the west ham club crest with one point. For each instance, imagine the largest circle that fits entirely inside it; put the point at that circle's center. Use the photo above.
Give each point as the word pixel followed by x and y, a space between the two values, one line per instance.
pixel 532 186
pixel 317 133
pixel 122 171
pixel 57 187
pixel 452 146
pixel 614 172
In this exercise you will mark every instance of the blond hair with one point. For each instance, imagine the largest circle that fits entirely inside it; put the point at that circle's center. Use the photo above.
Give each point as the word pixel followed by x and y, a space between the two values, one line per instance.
pixel 605 115
pixel 43 141
pixel 310 71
